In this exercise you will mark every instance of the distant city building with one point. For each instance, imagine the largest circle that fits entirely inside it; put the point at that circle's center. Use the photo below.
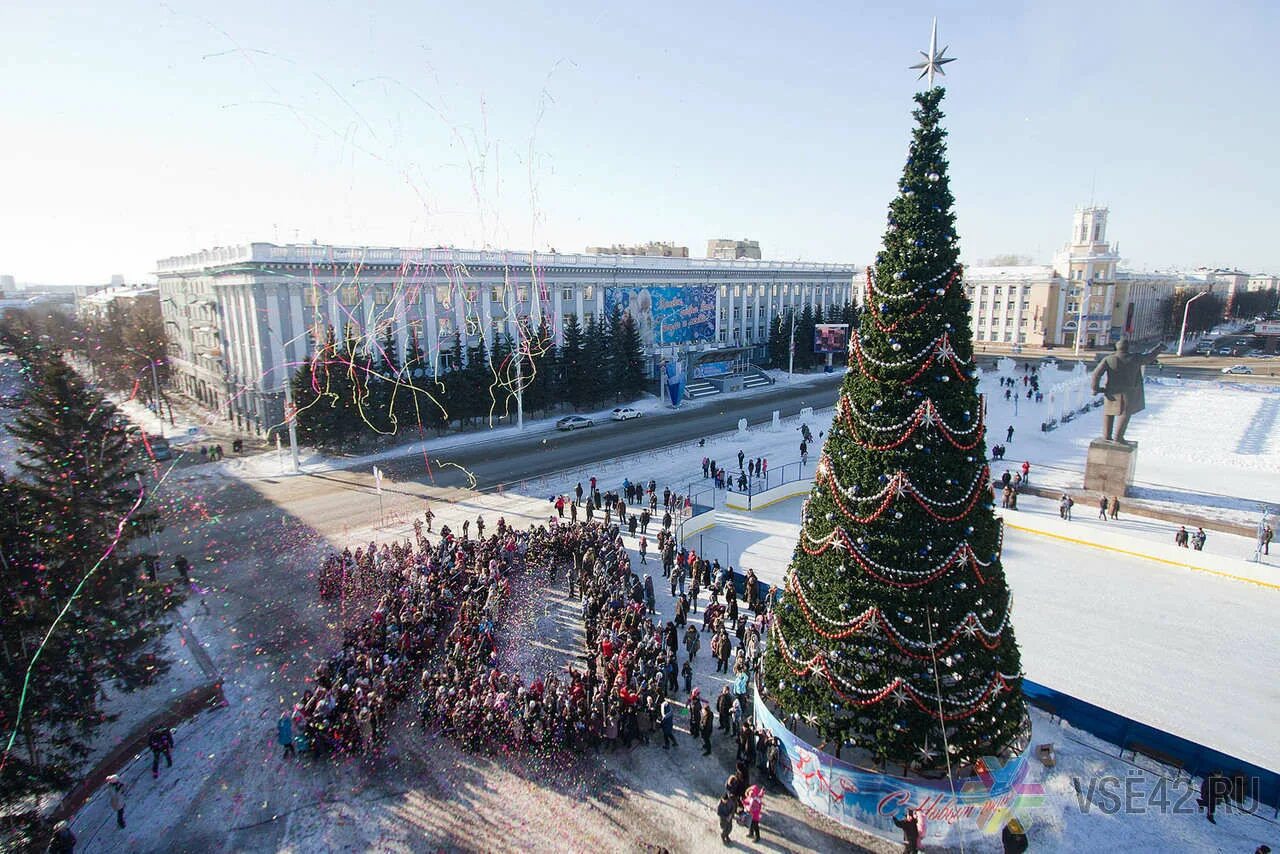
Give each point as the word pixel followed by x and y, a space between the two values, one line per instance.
pixel 1263 282
pixel 651 249
pixel 1082 293
pixel 730 250
pixel 7 286
pixel 242 318
pixel 99 303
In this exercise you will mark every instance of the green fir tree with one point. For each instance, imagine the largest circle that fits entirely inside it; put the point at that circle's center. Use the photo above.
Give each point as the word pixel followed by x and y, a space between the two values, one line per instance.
pixel 894 631
pixel 629 370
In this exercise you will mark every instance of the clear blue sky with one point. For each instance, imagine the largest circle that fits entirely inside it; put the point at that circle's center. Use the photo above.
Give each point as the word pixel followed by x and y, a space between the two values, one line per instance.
pixel 138 130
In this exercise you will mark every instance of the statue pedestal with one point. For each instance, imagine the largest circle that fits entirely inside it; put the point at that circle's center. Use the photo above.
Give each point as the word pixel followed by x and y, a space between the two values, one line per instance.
pixel 1109 467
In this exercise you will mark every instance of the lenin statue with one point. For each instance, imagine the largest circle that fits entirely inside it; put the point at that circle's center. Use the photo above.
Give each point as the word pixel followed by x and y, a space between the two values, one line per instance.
pixel 1122 371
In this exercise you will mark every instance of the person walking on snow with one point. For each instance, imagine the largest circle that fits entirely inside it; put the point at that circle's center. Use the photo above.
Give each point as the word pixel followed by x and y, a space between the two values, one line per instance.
pixel 754 805
pixel 691 641
pixel 161 743
pixel 284 734
pixel 1064 506
pixel 1026 471
pixel 1103 505
pixel 1197 539
pixel 725 811
pixel 115 791
pixel 1115 507
pixel 668 726
pixel 1180 537
pixel 1008 435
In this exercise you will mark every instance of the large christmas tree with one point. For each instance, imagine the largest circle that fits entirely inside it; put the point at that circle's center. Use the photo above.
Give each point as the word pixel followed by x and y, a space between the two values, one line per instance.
pixel 894 632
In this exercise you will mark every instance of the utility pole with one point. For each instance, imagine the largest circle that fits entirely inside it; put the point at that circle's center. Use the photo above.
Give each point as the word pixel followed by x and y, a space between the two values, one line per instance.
pixel 1186 312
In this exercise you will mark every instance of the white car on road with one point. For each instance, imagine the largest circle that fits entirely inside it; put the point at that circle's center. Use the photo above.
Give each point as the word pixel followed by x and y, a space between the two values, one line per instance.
pixel 624 413
pixel 1238 369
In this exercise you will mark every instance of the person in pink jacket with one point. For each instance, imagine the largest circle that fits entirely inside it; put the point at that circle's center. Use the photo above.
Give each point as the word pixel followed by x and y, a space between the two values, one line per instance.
pixel 753 803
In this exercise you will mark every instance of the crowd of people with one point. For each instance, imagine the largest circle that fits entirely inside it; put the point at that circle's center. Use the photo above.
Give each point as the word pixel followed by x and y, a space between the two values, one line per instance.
pixel 438 608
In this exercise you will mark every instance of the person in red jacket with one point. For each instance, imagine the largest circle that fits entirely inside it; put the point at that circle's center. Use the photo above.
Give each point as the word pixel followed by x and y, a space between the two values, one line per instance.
pixel 910 832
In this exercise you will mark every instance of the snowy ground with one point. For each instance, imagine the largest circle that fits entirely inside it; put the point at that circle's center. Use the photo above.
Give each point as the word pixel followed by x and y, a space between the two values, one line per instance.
pixel 1147 640
pixel 230 791
pixel 1206 447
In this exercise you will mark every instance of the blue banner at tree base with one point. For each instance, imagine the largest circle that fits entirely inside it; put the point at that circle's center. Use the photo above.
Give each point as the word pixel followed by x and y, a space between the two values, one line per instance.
pixel 975 808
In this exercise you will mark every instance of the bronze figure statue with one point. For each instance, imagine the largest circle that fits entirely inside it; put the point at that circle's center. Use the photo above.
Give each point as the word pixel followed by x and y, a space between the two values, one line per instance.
pixel 1123 373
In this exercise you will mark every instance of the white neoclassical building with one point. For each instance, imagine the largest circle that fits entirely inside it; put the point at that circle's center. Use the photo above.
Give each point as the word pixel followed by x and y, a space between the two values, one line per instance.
pixel 242 317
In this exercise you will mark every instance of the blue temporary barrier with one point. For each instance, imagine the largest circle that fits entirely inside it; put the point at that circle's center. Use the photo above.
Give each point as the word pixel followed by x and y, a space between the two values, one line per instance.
pixel 1260 784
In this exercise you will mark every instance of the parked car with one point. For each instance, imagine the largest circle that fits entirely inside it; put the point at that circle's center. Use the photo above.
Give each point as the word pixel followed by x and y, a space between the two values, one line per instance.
pixel 573 422
pixel 624 413
pixel 1050 361
pixel 1238 369
pixel 159 446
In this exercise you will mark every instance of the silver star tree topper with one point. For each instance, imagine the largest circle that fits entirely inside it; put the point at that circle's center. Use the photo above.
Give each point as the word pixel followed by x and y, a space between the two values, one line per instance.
pixel 934 59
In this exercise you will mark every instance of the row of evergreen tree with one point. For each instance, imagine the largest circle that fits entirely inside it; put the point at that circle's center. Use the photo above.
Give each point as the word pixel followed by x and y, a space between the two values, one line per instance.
pixel 70 513
pixel 353 387
pixel 806 322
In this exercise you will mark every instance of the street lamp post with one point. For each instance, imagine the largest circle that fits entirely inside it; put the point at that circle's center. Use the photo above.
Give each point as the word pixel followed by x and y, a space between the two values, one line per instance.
pixel 155 384
pixel 791 358
pixel 1186 312
pixel 1081 314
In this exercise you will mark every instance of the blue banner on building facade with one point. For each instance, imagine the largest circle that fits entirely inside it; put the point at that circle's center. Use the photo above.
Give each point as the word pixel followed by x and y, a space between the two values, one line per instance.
pixel 667 314
pixel 977 807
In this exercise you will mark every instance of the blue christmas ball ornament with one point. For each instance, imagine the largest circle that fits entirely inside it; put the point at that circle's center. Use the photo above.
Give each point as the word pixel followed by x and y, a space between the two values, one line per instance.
pixel 900 275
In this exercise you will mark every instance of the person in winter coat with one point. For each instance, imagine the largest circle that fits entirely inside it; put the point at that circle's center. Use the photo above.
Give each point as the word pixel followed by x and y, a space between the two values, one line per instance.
pixel 724 705
pixel 649 601
pixel 725 811
pixel 1181 537
pixel 754 805
pixel 284 734
pixel 161 743
pixel 691 641
pixel 707 723
pixel 910 826
pixel 686 670
pixel 1014 838
pixel 1213 791
pixel 63 841
pixel 1064 506
pixel 668 726
pixel 1115 507
pixel 1103 506
pixel 1197 539
pixel 115 791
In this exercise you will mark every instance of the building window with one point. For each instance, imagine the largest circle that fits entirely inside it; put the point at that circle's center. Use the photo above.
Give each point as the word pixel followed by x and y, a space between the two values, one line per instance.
pixel 1022 337
pixel 724 292
pixel 522 293
pixel 382 296
pixel 737 290
pixel 495 294
pixel 1026 304
pixel 314 296
pixel 998 290
pixel 566 294
pixel 1008 336
pixel 444 296
pixel 350 295
pixel 1009 305
pixel 982 321
pixel 982 306
pixel 589 292
pixel 1022 322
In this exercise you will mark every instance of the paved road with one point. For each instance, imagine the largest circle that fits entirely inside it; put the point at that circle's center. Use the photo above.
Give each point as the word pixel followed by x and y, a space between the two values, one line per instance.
pixel 510 461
